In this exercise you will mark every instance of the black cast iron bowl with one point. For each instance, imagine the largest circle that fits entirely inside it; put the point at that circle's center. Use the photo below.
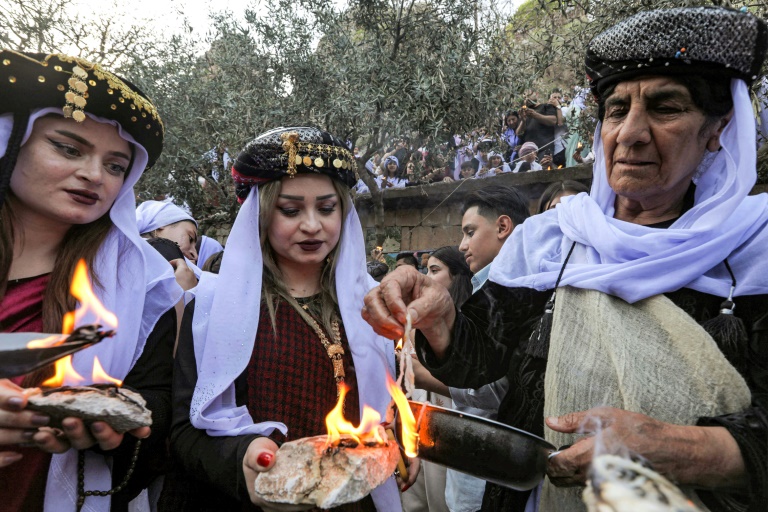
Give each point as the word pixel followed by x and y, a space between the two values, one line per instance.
pixel 479 447
pixel 16 359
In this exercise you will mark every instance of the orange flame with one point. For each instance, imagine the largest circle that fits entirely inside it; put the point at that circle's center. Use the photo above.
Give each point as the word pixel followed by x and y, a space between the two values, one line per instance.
pixel 399 344
pixel 367 431
pixel 64 370
pixel 91 310
pixel 50 341
pixel 100 376
pixel 410 437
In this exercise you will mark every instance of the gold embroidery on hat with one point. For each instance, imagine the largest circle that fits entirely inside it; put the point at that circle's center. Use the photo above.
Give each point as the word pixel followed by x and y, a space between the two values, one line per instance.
pixel 113 82
pixel 289 146
pixel 74 97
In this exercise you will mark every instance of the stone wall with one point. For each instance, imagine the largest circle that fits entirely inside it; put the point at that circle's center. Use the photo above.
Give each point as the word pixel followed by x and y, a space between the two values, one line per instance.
pixel 429 216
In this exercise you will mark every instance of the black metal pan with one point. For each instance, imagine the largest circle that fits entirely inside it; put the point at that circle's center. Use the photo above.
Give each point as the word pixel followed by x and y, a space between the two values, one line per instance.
pixel 16 359
pixel 480 447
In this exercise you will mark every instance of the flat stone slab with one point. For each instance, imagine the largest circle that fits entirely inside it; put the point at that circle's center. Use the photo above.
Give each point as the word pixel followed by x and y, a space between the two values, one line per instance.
pixel 308 472
pixel 122 409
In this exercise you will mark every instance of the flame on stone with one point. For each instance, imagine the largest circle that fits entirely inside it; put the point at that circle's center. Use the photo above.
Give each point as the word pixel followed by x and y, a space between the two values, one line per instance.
pixel 91 310
pixel 367 432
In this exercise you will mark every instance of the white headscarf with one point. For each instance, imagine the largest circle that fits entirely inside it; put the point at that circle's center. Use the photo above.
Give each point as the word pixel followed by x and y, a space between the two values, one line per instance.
pixel 223 348
pixel 635 262
pixel 151 215
pixel 139 287
pixel 208 247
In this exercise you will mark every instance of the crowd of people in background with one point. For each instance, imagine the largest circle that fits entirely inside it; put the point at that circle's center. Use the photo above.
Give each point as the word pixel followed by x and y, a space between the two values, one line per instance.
pixel 536 136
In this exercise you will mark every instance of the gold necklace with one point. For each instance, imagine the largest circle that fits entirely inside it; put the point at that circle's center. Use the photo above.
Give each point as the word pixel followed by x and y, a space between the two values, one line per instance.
pixel 334 349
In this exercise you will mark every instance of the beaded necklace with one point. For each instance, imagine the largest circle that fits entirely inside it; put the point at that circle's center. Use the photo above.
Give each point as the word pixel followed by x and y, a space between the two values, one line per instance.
pixel 333 348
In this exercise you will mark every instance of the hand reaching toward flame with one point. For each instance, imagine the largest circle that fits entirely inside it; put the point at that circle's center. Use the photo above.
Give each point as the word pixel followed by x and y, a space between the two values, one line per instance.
pixel 696 456
pixel 407 290
pixel 260 457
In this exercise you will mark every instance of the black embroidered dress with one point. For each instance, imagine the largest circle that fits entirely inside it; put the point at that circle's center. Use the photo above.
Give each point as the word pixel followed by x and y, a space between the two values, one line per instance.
pixel 490 340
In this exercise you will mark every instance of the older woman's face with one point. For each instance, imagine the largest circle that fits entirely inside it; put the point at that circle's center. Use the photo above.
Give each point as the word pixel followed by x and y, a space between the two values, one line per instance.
pixel 184 233
pixel 654 137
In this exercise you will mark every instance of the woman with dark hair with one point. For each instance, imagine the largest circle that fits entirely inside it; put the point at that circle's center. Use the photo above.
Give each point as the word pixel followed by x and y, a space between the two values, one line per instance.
pixel 447 266
pixel 295 268
pixel 614 313
pixel 71 155
pixel 509 135
pixel 557 190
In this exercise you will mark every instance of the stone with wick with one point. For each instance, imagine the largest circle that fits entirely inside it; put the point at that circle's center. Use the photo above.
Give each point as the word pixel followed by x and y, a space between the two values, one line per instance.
pixel 120 408
pixel 309 471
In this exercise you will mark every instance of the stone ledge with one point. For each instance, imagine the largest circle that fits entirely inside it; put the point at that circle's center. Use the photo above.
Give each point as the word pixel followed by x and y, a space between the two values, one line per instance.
pixel 532 184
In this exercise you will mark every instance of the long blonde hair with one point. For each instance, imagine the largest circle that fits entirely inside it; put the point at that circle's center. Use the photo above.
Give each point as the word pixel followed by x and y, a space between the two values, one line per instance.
pixel 273 286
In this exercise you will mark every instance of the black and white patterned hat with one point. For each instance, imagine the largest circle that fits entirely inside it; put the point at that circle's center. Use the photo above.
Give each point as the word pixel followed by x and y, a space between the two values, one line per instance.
pixel 284 152
pixel 687 40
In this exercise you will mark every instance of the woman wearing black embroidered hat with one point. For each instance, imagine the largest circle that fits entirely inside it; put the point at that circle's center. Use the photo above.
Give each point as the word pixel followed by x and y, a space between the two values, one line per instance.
pixel 74 139
pixel 647 269
pixel 294 274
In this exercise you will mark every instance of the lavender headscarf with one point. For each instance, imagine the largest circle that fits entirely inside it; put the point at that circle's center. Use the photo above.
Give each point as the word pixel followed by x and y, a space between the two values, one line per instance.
pixel 138 290
pixel 208 247
pixel 223 347
pixel 635 262
pixel 151 215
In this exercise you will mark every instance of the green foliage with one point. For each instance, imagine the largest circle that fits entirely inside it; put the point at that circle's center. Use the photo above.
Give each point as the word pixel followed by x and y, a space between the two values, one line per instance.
pixel 368 72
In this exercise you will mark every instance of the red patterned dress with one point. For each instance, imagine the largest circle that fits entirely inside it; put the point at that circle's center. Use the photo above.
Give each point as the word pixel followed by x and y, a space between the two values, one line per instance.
pixel 22 484
pixel 291 380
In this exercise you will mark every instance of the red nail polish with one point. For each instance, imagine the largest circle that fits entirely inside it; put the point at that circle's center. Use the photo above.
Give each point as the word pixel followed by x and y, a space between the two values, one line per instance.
pixel 264 459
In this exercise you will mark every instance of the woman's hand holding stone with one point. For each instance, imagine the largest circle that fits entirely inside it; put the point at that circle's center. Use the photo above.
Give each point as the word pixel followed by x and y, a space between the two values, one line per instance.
pixel 260 457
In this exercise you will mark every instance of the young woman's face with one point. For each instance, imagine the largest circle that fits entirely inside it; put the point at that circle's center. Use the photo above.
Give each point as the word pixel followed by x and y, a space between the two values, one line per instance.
pixel 183 233
pixel 409 169
pixel 70 172
pixel 391 168
pixel 438 271
pixel 306 223
pixel 495 161
pixel 513 121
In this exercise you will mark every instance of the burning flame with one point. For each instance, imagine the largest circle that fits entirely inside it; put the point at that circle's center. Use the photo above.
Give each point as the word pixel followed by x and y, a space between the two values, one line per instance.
pixel 99 375
pixel 91 310
pixel 399 344
pixel 410 436
pixel 64 370
pixel 50 341
pixel 337 425
pixel 369 431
